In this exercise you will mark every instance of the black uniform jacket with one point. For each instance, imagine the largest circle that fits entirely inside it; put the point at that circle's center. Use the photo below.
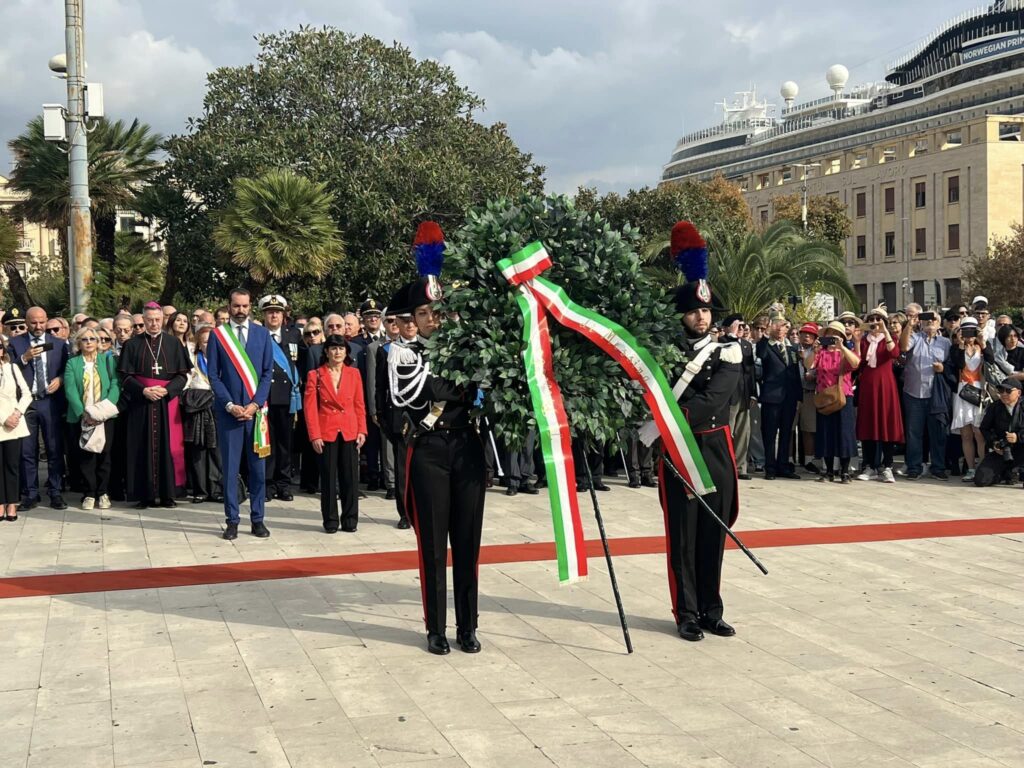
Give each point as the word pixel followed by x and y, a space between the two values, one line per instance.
pixel 295 351
pixel 458 403
pixel 997 421
pixel 781 372
pixel 705 404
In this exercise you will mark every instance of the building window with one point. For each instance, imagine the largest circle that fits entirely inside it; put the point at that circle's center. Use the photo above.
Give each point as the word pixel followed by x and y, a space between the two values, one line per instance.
pixel 920 147
pixel 862 205
pixel 744 184
pixel 951 287
pixel 917 288
pixel 953 237
pixel 861 289
pixel 860 161
pixel 920 240
pixel 862 247
pixel 888 155
pixel 835 165
pixel 1009 131
pixel 890 199
pixel 889 295
pixel 890 245
pixel 920 198
pixel 763 181
pixel 953 186
pixel 953 139
pixel 764 215
pixel 126 223
pixel 787 174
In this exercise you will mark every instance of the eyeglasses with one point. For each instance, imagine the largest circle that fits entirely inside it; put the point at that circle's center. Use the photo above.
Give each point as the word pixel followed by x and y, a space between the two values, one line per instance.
pixel 311 332
pixel 962 313
pixel 18 327
pixel 138 325
pixel 850 322
pixel 335 325
pixel 105 340
pixel 54 329
pixel 85 339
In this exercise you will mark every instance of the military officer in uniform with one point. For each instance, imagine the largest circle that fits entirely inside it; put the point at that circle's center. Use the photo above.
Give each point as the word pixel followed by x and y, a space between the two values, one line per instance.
pixel 445 457
pixel 373 335
pixel 285 400
pixel 695 542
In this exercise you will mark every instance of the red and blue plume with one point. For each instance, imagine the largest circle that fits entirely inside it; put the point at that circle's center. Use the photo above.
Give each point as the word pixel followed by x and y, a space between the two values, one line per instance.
pixel 689 251
pixel 428 247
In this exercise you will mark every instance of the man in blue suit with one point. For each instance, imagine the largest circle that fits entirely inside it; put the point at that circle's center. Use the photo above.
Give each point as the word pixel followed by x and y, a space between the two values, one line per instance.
pixel 42 357
pixel 781 390
pixel 235 410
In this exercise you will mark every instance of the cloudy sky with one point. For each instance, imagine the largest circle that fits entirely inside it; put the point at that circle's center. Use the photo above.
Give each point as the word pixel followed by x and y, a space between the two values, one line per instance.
pixel 598 90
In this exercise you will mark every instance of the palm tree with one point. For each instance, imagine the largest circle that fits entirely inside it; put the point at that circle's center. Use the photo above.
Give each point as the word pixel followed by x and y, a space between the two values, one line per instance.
pixel 752 270
pixel 279 225
pixel 138 277
pixel 120 164
pixel 9 237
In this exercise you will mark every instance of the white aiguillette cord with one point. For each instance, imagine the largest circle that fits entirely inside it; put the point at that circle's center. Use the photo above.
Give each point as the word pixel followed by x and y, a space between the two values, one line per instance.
pixel 648 433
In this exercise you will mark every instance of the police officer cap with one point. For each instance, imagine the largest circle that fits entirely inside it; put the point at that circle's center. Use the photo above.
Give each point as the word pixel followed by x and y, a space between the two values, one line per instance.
pixel 1009 384
pixel 14 315
pixel 274 301
pixel 370 307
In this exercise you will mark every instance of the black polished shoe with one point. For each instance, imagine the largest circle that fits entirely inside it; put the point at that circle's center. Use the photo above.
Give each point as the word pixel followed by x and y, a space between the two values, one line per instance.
pixel 438 644
pixel 634 483
pixel 811 467
pixel 769 475
pixel 600 486
pixel 512 491
pixel 403 523
pixel 743 476
pixel 270 496
pixel 717 627
pixel 230 532
pixel 389 494
pixel 330 529
pixel 259 530
pixel 198 499
pixel 529 488
pixel 168 503
pixel 467 641
pixel 790 475
pixel 582 487
pixel 142 504
pixel 215 498
pixel 940 475
pixel 648 482
pixel 349 527
pixel 689 630
pixel 285 495
pixel 373 485
pixel 27 504
pixel 57 502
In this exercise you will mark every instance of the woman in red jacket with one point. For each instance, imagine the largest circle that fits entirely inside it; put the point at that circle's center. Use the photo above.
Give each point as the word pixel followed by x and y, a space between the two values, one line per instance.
pixel 335 416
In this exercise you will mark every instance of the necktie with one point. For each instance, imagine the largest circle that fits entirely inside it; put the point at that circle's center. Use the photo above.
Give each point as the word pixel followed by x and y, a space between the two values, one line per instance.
pixel 40 375
pixel 277 336
pixel 241 335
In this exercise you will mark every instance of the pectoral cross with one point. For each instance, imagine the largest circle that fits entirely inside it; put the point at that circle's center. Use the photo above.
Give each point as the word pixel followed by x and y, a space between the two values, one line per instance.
pixel 156 368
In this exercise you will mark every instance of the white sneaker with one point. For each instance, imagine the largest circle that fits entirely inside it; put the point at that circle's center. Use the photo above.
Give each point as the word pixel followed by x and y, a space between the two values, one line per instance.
pixel 867 474
pixel 886 476
pixel 88 502
pixel 104 502
pixel 968 476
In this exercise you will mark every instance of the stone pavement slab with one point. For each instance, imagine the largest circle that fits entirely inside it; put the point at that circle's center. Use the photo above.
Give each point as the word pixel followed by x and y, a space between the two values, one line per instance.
pixel 877 653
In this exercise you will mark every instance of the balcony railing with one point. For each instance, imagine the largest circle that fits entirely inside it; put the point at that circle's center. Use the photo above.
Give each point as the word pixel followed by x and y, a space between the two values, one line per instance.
pixel 727 128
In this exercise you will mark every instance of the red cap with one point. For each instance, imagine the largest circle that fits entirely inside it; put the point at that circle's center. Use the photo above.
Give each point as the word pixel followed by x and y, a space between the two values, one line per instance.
pixel 810 328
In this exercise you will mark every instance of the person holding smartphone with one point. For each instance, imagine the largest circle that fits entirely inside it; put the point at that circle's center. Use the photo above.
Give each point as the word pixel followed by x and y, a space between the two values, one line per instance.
pixel 966 372
pixel 879 421
pixel 926 352
pixel 834 360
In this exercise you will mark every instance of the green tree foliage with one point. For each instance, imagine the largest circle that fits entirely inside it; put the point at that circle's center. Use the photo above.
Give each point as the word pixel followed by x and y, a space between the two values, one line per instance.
pixel 752 270
pixel 826 216
pixel 121 163
pixel 138 277
pixel 713 206
pixel 9 236
pixel 279 225
pixel 598 268
pixel 998 274
pixel 395 141
pixel 48 288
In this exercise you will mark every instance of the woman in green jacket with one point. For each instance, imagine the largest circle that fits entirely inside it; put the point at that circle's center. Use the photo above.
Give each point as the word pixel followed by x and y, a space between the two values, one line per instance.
pixel 92 389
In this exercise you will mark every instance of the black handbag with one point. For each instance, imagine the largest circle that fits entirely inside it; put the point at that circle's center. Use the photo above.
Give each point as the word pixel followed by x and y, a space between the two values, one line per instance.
pixel 971 394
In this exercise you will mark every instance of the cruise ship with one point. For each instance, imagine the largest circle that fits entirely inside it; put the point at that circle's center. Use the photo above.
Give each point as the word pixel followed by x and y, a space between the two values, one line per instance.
pixel 928 160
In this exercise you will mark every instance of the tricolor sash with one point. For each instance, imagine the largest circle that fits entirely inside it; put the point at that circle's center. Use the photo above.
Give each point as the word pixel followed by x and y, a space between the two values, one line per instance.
pixel 538 296
pixel 247 373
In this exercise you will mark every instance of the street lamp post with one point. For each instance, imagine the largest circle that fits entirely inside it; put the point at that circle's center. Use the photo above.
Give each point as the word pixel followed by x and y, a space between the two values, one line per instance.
pixel 80 218
pixel 803 189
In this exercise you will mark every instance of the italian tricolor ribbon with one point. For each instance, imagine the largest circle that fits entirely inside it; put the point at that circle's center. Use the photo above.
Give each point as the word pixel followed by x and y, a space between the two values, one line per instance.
pixel 247 373
pixel 537 297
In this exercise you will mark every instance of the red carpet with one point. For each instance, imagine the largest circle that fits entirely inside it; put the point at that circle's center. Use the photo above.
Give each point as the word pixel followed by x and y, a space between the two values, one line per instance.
pixel 302 567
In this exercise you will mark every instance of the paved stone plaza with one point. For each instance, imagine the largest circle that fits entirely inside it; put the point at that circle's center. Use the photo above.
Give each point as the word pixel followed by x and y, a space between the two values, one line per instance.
pixel 907 652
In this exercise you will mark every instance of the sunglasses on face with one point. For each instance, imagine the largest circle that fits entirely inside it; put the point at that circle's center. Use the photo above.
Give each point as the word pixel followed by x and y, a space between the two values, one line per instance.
pixel 104 340
pixel 88 339
pixel 334 325
pixel 138 325
pixel 850 322
pixel 311 332
pixel 18 327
